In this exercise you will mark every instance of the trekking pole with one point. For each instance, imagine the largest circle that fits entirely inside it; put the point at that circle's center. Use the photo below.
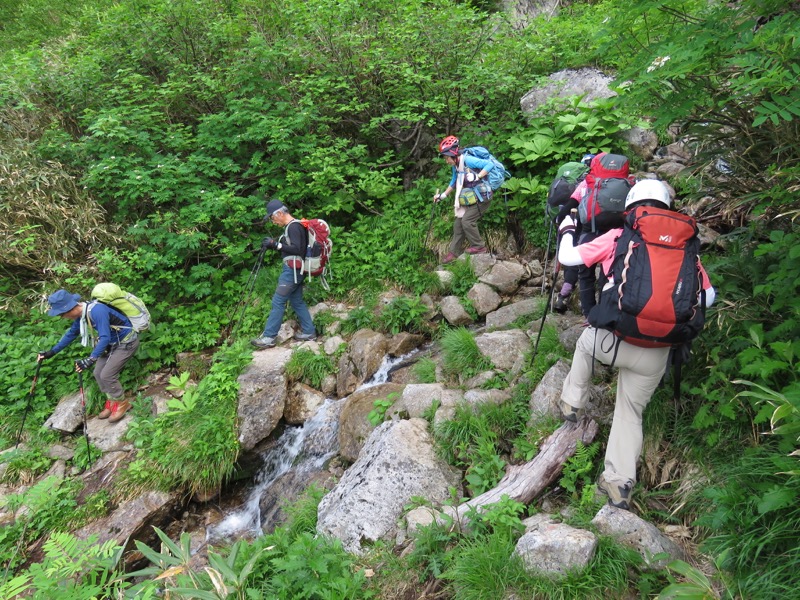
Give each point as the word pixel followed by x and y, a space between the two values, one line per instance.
pixel 248 290
pixel 556 266
pixel 547 254
pixel 430 222
pixel 85 425
pixel 30 399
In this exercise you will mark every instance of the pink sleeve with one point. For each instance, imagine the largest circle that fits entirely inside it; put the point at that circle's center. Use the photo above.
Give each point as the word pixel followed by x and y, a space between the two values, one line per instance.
pixel 578 193
pixel 599 250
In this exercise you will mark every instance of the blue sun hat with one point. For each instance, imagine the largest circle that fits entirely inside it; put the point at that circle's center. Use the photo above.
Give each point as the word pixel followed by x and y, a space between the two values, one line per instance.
pixel 273 206
pixel 61 301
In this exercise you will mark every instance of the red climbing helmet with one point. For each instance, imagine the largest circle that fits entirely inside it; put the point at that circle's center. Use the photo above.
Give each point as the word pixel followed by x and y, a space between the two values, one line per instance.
pixel 449 146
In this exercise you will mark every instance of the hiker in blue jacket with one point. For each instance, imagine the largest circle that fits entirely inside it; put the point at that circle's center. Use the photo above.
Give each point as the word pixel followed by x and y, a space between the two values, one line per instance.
pixel 473 195
pixel 116 342
pixel 292 246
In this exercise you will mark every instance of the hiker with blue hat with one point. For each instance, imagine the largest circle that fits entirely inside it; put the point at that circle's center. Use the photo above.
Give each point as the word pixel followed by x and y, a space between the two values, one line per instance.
pixel 292 246
pixel 113 339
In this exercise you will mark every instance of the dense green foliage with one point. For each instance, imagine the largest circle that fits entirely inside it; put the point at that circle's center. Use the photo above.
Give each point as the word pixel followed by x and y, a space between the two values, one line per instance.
pixel 138 141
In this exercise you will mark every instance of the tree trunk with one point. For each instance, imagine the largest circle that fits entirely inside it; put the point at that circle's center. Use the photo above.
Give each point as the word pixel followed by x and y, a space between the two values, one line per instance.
pixel 524 482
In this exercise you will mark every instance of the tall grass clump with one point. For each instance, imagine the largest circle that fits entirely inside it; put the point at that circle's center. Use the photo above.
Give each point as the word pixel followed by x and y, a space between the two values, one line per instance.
pixel 461 356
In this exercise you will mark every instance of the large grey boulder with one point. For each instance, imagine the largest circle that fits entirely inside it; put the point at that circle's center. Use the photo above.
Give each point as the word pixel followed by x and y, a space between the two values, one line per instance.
pixel 555 548
pixel 453 312
pixel 68 414
pixel 504 348
pixel 511 312
pixel 569 82
pixel 484 298
pixel 134 519
pixel 301 403
pixel 636 533
pixel 545 398
pixel 397 463
pixel 364 356
pixel 504 276
pixel 403 343
pixel 109 436
pixel 262 395
pixel 354 428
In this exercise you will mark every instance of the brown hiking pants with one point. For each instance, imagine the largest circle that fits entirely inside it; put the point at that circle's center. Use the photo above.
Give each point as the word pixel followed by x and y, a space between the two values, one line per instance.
pixel 109 366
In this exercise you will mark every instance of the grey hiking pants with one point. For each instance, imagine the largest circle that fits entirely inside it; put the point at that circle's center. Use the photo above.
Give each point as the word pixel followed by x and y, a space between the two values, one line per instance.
pixel 640 371
pixel 109 366
pixel 467 227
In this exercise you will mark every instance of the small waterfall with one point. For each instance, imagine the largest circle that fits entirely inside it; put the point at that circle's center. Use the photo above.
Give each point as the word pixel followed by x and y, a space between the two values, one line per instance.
pixel 304 449
pixel 301 448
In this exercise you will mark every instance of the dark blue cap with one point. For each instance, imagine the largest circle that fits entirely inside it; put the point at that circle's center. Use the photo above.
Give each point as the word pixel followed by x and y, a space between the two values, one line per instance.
pixel 61 301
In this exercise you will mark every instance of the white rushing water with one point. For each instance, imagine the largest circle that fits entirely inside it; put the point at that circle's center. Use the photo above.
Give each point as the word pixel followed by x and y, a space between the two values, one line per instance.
pixel 293 450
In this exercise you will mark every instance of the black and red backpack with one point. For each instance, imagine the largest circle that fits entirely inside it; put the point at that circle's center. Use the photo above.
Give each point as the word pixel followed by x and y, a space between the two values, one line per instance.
pixel 607 185
pixel 656 295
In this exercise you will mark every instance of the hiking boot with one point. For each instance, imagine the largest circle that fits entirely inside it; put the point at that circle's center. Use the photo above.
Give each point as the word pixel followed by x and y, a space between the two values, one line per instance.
pixel 477 250
pixel 569 412
pixel 263 342
pixel 107 410
pixel 449 258
pixel 618 495
pixel 305 337
pixel 560 305
pixel 119 411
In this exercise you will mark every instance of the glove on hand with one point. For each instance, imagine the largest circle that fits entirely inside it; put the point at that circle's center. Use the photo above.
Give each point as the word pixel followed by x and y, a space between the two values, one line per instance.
pixel 471 177
pixel 84 363
pixel 437 197
pixel 46 354
pixel 269 244
pixel 567 225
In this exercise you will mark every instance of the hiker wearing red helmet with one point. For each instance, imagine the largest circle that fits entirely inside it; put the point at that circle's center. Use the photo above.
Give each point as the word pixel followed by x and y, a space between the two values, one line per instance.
pixel 472 197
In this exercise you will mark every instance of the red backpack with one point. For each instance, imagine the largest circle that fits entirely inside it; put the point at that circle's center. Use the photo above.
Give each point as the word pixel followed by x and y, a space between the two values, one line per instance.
pixel 657 296
pixel 603 205
pixel 318 252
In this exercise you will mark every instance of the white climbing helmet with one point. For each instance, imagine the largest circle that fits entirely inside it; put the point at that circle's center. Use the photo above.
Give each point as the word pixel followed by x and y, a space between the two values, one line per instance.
pixel 649 189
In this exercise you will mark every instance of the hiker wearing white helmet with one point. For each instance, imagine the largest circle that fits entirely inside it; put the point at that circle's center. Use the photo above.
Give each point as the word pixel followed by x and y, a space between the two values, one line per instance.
pixel 665 276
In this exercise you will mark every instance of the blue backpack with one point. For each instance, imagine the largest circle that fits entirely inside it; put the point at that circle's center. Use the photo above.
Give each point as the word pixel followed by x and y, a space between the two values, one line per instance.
pixel 498 175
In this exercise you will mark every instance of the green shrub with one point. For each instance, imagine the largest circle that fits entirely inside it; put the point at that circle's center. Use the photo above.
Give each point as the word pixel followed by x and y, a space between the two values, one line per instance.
pixel 359 318
pixel 404 314
pixel 309 367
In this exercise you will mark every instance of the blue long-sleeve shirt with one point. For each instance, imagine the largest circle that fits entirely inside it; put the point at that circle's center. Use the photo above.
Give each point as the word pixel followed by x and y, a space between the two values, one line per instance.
pixel 112 327
pixel 476 164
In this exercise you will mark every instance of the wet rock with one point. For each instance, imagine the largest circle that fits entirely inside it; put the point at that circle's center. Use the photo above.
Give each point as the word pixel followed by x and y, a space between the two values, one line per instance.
pixel 262 395
pixel 361 361
pixel 301 403
pixel 403 343
pixel 354 428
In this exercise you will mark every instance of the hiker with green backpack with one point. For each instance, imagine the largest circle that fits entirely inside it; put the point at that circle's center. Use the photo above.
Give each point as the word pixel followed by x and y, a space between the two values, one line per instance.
pixel 563 196
pixel 110 333
pixel 476 174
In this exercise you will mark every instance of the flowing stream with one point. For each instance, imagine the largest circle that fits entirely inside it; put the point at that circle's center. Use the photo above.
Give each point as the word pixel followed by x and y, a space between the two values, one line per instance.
pixel 304 449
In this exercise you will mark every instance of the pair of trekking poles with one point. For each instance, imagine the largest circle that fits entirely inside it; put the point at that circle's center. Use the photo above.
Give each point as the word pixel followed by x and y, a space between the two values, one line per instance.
pixel 30 400
pixel 556 268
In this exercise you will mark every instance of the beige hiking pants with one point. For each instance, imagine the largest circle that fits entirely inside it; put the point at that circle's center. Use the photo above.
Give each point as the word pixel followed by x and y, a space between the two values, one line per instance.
pixel 640 371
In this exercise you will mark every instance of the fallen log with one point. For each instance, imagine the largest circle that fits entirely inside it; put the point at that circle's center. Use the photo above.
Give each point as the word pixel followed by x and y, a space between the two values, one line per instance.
pixel 525 482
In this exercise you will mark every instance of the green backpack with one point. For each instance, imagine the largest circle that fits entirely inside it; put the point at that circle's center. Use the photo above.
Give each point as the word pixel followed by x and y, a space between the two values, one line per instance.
pixel 125 302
